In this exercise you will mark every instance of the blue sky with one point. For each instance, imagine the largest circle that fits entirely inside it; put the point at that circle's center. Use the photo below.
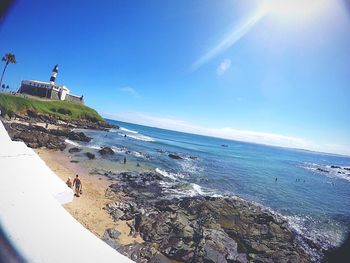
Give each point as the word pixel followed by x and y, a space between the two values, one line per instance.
pixel 239 69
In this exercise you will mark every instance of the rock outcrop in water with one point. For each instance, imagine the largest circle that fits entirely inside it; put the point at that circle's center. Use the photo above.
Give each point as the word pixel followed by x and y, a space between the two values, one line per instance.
pixel 198 229
pixel 90 155
pixel 175 156
pixel 106 151
pixel 74 150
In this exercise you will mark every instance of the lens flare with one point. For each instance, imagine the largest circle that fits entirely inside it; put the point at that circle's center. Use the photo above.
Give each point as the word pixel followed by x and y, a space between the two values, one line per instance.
pixel 295 9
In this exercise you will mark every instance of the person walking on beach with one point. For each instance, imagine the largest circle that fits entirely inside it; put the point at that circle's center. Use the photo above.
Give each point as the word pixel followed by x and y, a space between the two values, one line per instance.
pixel 78 186
pixel 124 160
pixel 69 182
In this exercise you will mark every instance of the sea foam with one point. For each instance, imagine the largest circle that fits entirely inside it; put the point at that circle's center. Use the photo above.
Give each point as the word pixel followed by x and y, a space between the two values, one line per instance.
pixel 72 143
pixel 139 137
pixel 127 130
pixel 328 170
pixel 170 175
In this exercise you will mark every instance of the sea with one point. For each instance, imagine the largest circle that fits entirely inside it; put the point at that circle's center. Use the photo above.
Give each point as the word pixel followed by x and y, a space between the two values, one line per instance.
pixel 310 190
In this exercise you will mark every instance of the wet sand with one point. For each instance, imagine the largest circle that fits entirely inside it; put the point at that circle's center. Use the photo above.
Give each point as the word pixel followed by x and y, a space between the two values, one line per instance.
pixel 88 209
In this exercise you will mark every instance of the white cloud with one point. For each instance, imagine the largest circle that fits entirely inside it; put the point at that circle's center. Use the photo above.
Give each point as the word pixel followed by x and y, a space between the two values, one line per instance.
pixel 228 133
pixel 223 66
pixel 131 91
pixel 230 39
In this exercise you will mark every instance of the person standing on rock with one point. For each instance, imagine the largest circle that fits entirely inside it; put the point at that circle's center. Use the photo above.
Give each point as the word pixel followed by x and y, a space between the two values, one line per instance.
pixel 78 186
pixel 124 160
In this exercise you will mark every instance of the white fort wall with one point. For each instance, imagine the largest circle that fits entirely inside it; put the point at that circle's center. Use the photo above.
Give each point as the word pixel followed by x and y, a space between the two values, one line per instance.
pixel 31 212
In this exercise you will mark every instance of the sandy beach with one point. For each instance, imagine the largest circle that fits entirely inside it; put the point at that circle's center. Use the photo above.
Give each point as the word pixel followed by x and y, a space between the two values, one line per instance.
pixel 88 209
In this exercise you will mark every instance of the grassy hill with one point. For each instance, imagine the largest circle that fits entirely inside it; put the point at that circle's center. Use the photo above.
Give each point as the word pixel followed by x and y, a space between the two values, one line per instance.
pixel 10 104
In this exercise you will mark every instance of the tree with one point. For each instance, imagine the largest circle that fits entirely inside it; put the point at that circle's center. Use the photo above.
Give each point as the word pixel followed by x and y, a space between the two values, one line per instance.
pixel 3 87
pixel 9 58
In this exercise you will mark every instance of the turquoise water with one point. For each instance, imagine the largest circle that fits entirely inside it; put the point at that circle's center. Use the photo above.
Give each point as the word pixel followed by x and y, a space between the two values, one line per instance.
pixel 313 196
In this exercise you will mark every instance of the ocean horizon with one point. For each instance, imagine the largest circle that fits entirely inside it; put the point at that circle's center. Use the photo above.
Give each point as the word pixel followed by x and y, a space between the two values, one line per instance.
pixel 234 140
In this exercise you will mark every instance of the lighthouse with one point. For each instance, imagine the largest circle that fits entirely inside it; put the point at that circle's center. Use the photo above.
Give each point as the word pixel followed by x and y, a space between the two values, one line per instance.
pixel 49 89
pixel 54 74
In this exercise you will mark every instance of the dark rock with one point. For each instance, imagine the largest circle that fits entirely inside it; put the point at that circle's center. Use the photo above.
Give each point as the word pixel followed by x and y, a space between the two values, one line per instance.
pixel 112 233
pixel 82 123
pixel 90 155
pixel 335 167
pixel 199 229
pixel 106 151
pixel 74 150
pixel 74 161
pixel 34 136
pixel 175 156
pixel 117 214
pixel 159 258
pixel 104 172
pixel 140 253
pixel 78 136
pixel 193 157
pixel 322 170
pixel 60 132
pixel 114 210
pixel 32 114
pixel 92 124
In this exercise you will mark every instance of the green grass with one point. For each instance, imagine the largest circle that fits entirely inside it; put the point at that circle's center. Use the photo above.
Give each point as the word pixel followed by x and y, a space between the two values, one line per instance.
pixel 63 110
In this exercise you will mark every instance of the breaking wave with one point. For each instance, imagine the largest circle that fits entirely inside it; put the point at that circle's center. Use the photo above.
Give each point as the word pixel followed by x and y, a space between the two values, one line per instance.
pixel 329 170
pixel 95 147
pixel 119 150
pixel 170 175
pixel 180 188
pixel 139 137
pixel 190 166
pixel 72 143
pixel 127 130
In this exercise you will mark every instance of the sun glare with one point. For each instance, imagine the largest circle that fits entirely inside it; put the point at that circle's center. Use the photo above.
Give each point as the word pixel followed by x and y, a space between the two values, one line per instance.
pixel 295 9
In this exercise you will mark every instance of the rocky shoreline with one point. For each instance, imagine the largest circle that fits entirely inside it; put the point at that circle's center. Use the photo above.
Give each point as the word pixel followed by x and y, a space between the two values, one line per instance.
pixel 197 229
pixel 188 229
pixel 24 128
